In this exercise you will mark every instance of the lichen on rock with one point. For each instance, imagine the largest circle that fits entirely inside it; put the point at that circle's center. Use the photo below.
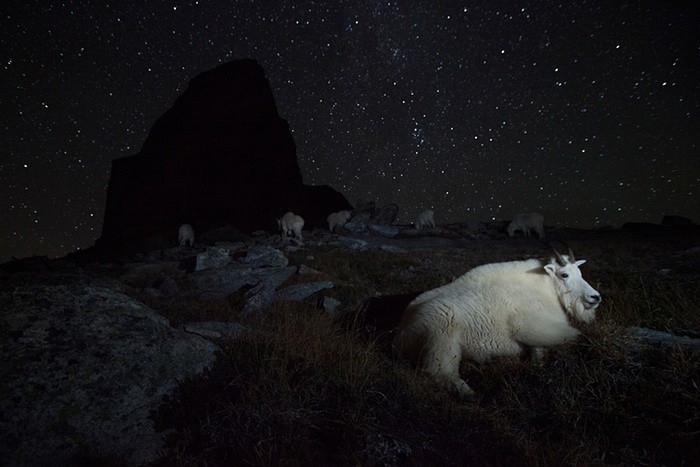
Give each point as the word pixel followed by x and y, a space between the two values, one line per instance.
pixel 83 367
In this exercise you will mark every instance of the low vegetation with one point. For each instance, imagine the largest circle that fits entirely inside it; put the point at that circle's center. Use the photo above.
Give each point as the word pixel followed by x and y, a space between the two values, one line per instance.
pixel 308 389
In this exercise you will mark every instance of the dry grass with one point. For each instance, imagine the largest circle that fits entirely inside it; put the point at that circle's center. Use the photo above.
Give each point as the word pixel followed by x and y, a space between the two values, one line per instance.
pixel 311 393
pixel 308 391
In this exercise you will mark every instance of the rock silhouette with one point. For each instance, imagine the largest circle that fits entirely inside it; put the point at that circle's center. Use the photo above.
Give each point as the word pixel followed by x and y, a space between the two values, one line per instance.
pixel 220 156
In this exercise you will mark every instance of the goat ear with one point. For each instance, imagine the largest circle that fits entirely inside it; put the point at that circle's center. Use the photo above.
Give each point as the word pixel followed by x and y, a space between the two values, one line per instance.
pixel 550 268
pixel 580 262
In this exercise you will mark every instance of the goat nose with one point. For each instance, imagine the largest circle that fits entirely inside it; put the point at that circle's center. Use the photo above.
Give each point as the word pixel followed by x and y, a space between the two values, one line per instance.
pixel 595 298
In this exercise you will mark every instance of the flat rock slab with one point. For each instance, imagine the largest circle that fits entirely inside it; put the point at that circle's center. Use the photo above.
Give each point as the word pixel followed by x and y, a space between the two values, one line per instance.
pixel 652 336
pixel 301 291
pixel 82 368
pixel 217 329
pixel 217 284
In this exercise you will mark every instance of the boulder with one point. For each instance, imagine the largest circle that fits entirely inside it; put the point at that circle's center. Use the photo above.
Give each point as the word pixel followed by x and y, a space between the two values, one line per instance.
pixel 213 257
pixel 351 243
pixel 354 226
pixel 302 291
pixel 218 330
pixel 386 215
pixel 369 215
pixel 168 287
pixel 83 368
pixel 365 212
pixel 651 336
pixel 389 231
pixel 217 284
pixel 265 256
pixel 330 304
pixel 221 156
pixel 261 295
pixel 305 270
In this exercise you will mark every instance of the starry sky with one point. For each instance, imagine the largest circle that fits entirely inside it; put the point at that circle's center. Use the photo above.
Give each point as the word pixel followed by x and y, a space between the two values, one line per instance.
pixel 586 111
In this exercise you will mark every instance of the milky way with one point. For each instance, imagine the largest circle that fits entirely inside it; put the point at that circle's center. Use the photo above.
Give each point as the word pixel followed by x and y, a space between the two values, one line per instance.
pixel 584 111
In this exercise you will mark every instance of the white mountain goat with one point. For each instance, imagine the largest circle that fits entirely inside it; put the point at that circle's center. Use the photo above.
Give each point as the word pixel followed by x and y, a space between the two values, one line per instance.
pixel 337 219
pixel 291 222
pixel 185 236
pixel 526 223
pixel 425 219
pixel 494 310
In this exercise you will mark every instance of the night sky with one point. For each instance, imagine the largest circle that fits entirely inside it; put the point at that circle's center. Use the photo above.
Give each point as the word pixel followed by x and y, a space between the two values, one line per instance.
pixel 584 111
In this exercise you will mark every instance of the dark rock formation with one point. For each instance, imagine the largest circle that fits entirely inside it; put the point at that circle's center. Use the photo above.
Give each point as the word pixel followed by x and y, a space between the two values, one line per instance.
pixel 386 215
pixel 676 222
pixel 371 215
pixel 642 227
pixel 220 156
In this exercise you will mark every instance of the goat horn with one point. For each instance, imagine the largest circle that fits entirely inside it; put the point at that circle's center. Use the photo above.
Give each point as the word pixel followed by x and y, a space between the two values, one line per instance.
pixel 570 253
pixel 560 259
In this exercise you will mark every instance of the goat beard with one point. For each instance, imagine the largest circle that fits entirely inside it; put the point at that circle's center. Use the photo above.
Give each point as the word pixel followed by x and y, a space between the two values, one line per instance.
pixel 578 313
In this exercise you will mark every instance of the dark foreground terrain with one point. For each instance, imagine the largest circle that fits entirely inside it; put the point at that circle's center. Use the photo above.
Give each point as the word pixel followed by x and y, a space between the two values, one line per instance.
pixel 312 380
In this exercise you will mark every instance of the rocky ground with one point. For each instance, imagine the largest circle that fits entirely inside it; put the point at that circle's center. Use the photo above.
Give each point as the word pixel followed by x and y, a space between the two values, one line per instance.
pixel 91 348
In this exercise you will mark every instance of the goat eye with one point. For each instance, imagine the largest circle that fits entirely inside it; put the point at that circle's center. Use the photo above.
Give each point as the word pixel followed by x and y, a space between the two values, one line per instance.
pixel 564 275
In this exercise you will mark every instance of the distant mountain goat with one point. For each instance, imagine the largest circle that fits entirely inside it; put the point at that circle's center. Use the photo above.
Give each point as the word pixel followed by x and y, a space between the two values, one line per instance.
pixel 293 223
pixel 185 235
pixel 526 223
pixel 337 219
pixel 494 310
pixel 425 219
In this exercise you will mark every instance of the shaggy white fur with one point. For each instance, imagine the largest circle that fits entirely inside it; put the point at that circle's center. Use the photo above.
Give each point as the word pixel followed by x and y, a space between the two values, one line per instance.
pixel 526 223
pixel 185 235
pixel 494 310
pixel 293 223
pixel 425 219
pixel 337 219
